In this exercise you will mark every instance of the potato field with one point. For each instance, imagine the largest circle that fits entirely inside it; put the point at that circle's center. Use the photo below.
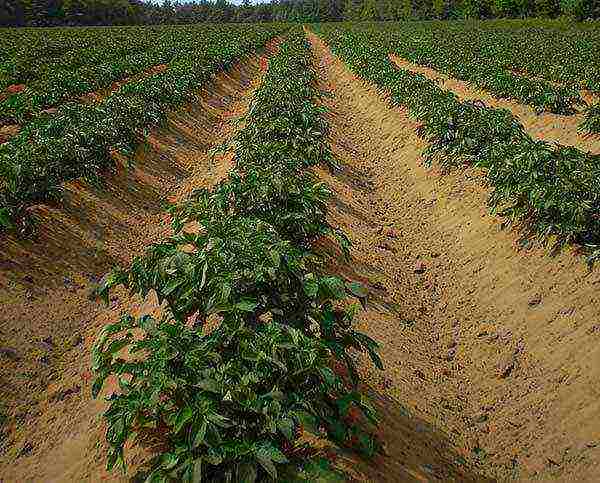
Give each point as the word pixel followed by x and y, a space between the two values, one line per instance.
pixel 350 251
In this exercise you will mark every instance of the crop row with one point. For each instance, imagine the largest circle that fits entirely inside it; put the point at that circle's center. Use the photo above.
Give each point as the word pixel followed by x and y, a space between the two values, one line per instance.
pixel 558 51
pixel 27 55
pixel 43 81
pixel 79 140
pixel 550 191
pixel 238 371
pixel 469 59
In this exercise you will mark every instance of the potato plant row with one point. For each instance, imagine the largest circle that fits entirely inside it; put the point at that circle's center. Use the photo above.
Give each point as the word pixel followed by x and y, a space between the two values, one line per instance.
pixel 555 50
pixel 80 140
pixel 552 192
pixel 472 58
pixel 43 74
pixel 251 360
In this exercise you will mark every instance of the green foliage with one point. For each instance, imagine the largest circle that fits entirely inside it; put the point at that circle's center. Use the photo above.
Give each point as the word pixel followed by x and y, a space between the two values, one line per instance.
pixel 511 8
pixel 476 61
pixel 546 8
pixel 369 10
pixel 591 123
pixel 79 139
pixel 231 402
pixel 552 192
pixel 579 9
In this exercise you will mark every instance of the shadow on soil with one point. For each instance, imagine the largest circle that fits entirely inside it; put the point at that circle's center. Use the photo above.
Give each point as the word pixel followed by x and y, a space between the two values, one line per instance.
pixel 415 450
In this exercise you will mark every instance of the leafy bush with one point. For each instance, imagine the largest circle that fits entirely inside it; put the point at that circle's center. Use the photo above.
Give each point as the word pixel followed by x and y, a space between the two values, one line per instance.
pixel 591 123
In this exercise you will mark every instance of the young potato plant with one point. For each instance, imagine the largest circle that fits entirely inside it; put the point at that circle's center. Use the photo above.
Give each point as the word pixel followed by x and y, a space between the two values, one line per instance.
pixel 236 379
pixel 511 60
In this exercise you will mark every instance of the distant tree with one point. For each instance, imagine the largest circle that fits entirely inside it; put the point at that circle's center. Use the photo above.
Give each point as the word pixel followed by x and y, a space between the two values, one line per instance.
pixel 512 8
pixel 404 10
pixel 546 8
pixel 12 13
pixel 352 10
pixel 580 9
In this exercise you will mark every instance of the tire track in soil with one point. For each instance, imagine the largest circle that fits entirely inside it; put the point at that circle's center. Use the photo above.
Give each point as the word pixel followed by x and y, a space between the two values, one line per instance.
pixel 50 320
pixel 486 347
pixel 549 127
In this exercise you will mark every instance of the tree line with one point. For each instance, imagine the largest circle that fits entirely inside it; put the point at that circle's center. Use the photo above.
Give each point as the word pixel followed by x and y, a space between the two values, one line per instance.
pixel 46 13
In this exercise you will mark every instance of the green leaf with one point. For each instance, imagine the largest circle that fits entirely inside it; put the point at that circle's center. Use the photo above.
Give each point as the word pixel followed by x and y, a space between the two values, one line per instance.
pixel 275 257
pixel 286 427
pixel 311 286
pixel 328 376
pixel 357 289
pixel 97 385
pixel 197 473
pixel 219 420
pixel 308 421
pixel 156 477
pixel 116 345
pixel 246 305
pixel 210 385
pixel 6 219
pixel 185 414
pixel 335 287
pixel 267 455
pixel 168 461
pixel 200 435
pixel 172 286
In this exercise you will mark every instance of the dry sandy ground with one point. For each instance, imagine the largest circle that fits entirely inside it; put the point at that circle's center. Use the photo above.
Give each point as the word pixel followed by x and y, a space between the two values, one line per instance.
pixel 545 126
pixel 50 317
pixel 491 352
pixel 494 348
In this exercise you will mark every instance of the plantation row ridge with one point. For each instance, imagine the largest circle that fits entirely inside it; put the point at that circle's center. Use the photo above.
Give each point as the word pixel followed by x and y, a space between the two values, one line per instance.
pixel 234 403
pixel 59 293
pixel 475 332
pixel 523 171
pixel 80 140
pixel 297 242
pixel 548 127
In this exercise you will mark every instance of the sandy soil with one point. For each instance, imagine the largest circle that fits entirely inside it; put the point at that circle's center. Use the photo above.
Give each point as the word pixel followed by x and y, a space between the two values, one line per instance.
pixel 50 317
pixel 490 351
pixel 545 126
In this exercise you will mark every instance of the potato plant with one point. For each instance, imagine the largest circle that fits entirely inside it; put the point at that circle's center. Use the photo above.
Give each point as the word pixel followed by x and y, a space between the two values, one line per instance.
pixel 235 399
pixel 58 65
pixel 518 50
pixel 473 63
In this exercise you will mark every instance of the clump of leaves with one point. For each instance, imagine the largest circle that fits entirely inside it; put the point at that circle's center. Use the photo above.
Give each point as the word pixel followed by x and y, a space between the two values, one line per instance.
pixel 591 122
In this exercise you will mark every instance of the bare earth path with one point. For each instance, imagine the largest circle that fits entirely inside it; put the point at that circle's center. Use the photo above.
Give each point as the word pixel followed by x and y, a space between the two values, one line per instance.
pixel 491 353
pixel 546 126
pixel 50 318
